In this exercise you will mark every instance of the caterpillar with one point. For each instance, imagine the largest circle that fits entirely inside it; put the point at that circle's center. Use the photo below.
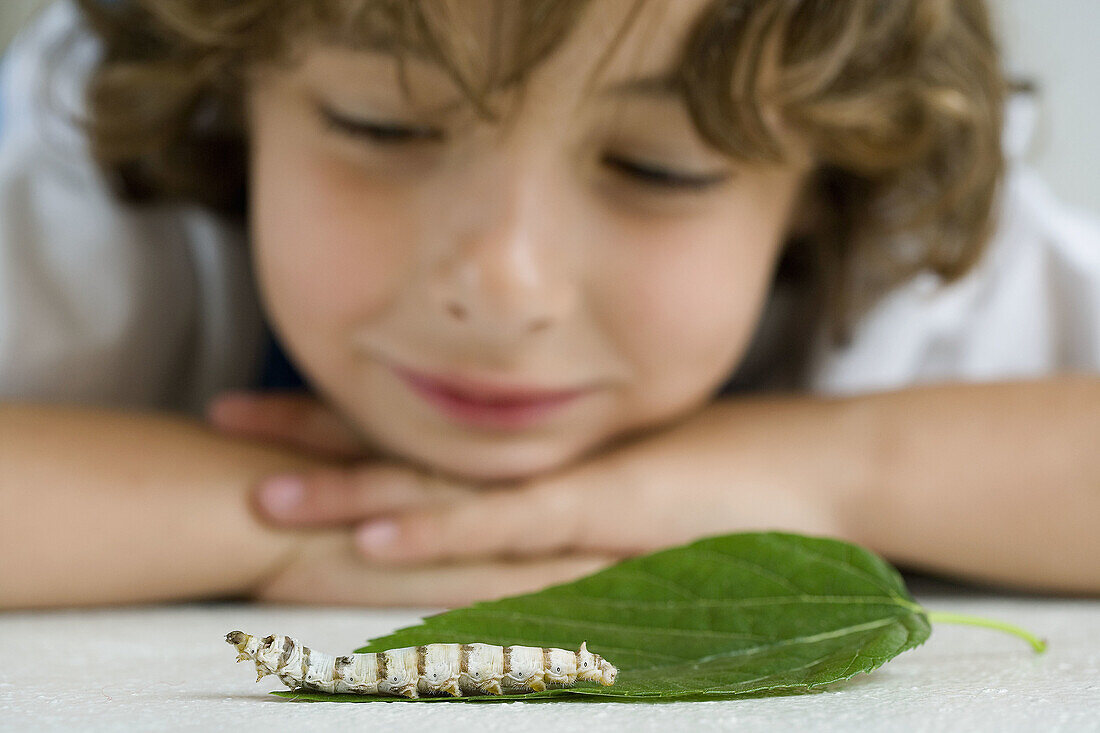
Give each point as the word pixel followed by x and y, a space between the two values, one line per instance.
pixel 412 671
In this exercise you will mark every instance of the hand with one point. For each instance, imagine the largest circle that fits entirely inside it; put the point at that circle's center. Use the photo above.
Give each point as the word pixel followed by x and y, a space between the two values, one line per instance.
pixel 294 419
pixel 729 467
pixel 327 570
pixel 302 422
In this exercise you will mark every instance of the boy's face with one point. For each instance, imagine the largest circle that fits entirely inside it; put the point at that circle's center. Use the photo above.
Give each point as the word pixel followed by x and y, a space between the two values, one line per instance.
pixel 592 246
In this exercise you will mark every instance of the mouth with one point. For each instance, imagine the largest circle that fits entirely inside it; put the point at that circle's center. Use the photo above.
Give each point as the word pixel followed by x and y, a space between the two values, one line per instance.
pixel 487 404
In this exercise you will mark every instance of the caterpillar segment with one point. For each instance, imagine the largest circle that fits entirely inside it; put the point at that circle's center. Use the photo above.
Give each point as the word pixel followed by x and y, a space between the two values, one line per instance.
pixel 433 669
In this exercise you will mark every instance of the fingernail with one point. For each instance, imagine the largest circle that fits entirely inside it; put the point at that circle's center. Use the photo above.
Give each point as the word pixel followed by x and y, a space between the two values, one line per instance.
pixel 282 494
pixel 376 536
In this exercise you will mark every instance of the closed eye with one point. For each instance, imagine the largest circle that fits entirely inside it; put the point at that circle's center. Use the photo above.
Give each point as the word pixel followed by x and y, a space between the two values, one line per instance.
pixel 660 177
pixel 395 134
pixel 383 133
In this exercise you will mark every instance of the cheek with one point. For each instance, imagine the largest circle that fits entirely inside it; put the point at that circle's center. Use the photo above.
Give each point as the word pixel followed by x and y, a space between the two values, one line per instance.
pixel 330 245
pixel 687 298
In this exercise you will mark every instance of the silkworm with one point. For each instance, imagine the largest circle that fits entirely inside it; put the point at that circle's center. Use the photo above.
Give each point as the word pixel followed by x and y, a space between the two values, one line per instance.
pixel 433 669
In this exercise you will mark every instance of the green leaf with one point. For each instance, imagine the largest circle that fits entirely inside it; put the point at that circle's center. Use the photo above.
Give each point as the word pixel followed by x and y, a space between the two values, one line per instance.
pixel 738 615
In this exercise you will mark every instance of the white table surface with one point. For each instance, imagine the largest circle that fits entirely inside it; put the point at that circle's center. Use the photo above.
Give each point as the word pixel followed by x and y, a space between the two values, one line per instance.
pixel 169 668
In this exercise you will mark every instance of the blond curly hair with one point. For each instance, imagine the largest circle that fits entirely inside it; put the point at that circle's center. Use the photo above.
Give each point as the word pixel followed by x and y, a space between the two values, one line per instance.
pixel 900 101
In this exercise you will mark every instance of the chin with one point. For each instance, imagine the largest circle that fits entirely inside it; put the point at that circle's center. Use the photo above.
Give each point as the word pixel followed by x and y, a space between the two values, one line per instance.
pixel 503 465
pixel 486 462
pixel 469 454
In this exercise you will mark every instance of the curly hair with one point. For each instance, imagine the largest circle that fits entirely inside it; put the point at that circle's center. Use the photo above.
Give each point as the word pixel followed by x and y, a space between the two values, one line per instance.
pixel 900 101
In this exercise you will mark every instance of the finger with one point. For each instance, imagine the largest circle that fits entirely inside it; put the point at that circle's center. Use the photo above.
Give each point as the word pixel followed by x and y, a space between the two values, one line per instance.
pixel 510 523
pixel 348 580
pixel 298 420
pixel 333 496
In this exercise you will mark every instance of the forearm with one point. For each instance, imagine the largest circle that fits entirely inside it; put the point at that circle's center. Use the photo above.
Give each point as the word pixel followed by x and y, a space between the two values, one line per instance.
pixel 103 507
pixel 997 482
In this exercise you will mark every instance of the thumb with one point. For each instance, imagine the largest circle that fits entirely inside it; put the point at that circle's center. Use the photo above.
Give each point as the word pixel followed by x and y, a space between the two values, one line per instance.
pixel 295 419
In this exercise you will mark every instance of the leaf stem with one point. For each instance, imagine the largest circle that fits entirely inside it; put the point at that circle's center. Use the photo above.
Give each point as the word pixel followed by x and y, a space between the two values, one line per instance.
pixel 942 617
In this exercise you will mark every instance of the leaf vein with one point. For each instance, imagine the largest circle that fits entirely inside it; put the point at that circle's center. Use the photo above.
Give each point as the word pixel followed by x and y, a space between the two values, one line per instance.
pixel 559 621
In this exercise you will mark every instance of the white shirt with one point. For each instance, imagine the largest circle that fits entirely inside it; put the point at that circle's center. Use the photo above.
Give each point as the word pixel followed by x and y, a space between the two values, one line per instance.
pixel 1030 307
pixel 109 304
pixel 100 302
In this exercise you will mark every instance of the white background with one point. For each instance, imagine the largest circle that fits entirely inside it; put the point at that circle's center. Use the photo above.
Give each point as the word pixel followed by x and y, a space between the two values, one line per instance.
pixel 168 668
pixel 1053 43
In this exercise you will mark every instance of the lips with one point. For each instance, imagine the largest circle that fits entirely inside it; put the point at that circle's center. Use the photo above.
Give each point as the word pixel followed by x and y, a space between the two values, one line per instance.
pixel 476 402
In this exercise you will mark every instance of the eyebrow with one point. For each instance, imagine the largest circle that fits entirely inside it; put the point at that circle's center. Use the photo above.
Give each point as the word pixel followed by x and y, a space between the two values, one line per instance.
pixel 649 86
pixel 661 86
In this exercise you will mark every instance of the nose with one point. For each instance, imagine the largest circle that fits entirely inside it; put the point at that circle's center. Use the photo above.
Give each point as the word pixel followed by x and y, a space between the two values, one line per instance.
pixel 503 275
